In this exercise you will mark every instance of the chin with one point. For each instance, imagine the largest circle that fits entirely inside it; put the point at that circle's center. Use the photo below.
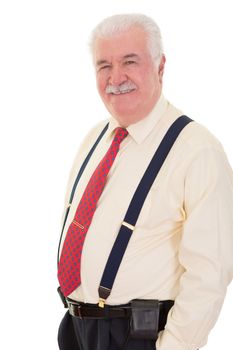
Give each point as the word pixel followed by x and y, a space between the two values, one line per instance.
pixel 126 111
pixel 125 119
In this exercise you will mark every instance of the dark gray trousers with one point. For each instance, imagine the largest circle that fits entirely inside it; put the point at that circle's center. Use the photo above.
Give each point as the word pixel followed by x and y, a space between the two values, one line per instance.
pixel 102 334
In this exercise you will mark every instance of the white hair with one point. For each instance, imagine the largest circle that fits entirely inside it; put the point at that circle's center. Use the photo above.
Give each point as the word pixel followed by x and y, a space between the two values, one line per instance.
pixel 116 24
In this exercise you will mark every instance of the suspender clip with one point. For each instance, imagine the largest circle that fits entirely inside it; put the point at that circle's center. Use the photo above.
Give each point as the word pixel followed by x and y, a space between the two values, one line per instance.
pixel 101 302
pixel 103 295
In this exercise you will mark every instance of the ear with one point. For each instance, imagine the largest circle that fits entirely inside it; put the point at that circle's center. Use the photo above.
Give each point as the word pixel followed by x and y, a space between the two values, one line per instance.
pixel 161 68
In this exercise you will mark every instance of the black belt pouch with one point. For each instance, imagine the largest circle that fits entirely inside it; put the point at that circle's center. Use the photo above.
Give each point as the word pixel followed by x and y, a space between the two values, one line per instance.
pixel 144 321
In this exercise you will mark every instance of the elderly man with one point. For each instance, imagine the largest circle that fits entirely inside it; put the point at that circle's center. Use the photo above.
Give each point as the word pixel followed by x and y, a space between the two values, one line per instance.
pixel 145 254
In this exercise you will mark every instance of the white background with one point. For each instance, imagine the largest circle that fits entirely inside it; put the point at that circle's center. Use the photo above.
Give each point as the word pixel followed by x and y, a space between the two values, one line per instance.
pixel 49 102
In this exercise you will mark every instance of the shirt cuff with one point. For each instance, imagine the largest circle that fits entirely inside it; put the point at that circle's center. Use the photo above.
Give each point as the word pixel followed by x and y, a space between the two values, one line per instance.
pixel 167 341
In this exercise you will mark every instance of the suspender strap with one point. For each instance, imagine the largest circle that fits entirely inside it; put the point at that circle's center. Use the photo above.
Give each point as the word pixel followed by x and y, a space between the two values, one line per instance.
pixel 77 181
pixel 135 207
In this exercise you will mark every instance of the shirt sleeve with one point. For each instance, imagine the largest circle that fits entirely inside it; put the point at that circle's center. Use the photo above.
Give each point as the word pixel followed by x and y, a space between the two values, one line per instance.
pixel 205 252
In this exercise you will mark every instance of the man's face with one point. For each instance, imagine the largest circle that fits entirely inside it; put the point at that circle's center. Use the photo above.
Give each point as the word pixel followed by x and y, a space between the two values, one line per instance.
pixel 128 81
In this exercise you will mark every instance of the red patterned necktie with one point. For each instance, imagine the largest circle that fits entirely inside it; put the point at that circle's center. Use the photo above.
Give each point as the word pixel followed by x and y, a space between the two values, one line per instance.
pixel 70 260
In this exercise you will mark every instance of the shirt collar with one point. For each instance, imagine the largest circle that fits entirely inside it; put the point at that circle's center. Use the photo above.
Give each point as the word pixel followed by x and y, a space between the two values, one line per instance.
pixel 140 130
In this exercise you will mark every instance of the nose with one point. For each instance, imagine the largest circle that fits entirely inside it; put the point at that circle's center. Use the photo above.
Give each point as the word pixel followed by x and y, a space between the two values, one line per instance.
pixel 117 76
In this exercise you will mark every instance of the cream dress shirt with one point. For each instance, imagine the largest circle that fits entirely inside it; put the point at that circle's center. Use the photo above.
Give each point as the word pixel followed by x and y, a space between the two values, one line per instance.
pixel 182 245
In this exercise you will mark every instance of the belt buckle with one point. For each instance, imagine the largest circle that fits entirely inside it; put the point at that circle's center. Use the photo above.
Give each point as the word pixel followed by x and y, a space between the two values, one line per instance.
pixel 75 310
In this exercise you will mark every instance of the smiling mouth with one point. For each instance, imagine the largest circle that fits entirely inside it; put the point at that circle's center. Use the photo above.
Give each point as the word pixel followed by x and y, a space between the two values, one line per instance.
pixel 122 92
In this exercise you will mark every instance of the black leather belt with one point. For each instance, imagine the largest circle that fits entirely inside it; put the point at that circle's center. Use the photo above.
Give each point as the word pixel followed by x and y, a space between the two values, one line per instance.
pixel 83 310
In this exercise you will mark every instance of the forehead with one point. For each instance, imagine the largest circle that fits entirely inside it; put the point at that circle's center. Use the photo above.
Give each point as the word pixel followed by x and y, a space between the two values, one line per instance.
pixel 118 46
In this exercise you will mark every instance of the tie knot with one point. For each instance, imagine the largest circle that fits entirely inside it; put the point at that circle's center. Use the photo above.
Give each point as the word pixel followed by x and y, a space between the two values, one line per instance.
pixel 120 134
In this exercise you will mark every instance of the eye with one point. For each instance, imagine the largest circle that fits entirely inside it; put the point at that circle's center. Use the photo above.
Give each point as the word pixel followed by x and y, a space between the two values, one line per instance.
pixel 128 62
pixel 104 67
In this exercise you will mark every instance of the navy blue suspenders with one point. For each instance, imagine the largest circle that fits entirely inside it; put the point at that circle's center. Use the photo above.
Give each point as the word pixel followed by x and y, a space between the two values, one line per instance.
pixel 135 205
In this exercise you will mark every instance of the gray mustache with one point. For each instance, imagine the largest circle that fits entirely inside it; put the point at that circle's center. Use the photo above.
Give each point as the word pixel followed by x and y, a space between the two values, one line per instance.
pixel 117 89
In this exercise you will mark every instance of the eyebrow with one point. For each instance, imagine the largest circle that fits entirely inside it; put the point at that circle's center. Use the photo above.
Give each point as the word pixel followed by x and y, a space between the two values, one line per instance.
pixel 130 55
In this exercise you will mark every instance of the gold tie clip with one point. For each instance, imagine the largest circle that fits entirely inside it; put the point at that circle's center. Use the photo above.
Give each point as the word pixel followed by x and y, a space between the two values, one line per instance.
pixel 78 224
